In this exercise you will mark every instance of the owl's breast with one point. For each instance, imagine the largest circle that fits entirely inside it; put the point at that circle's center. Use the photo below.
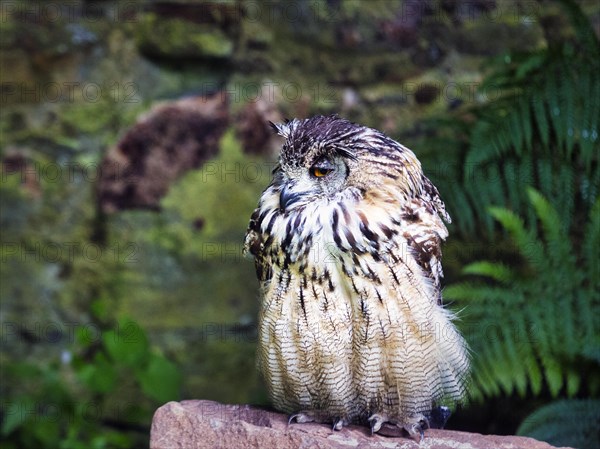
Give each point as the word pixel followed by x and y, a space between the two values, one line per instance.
pixel 350 321
pixel 305 322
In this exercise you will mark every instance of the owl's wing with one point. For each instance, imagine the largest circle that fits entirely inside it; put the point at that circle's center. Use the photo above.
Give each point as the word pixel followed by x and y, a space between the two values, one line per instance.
pixel 425 232
pixel 393 279
pixel 254 245
pixel 431 196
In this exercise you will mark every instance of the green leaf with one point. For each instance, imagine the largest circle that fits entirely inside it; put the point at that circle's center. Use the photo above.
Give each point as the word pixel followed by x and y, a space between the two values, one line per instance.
pixel 47 430
pixel 100 376
pixel 15 414
pixel 85 336
pixel 160 380
pixel 127 343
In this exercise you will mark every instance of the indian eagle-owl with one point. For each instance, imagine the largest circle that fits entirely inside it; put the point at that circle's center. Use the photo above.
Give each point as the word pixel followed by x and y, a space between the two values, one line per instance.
pixel 346 241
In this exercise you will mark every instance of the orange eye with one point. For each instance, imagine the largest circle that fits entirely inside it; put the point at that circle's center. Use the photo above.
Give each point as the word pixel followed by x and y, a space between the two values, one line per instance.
pixel 318 172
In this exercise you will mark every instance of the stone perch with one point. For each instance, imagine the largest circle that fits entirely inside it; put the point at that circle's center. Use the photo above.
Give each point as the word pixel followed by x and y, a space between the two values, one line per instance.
pixel 199 424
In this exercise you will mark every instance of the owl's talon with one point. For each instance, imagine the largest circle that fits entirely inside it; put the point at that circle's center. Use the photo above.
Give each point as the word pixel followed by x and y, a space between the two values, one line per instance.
pixel 376 421
pixel 339 423
pixel 416 427
pixel 300 418
pixel 314 416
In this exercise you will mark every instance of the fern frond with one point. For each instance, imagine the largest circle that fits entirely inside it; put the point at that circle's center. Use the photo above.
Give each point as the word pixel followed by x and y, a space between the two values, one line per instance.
pixel 573 379
pixel 515 129
pixel 486 385
pixel 572 422
pixel 531 65
pixel 512 177
pixel 556 109
pixel 559 249
pixel 531 248
pixel 475 292
pixel 589 119
pixel 496 271
pixel 584 30
pixel 510 343
pixel 541 119
pixel 535 330
pixel 547 112
pixel 591 254
pixel 530 329
pixel 565 193
pixel 500 352
pixel 526 123
pixel 461 202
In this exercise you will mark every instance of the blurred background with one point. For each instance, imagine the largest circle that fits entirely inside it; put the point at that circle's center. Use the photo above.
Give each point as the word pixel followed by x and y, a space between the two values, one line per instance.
pixel 134 147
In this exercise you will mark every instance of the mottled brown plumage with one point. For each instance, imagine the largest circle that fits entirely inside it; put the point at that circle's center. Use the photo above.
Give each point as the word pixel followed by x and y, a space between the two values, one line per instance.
pixel 346 241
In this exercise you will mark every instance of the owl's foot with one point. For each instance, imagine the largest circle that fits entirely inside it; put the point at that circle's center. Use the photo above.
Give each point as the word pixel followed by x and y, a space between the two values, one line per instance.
pixel 415 426
pixel 301 417
pixel 376 421
pixel 310 416
pixel 339 423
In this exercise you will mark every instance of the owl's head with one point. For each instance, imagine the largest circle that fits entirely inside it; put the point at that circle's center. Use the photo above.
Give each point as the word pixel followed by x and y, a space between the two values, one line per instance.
pixel 329 158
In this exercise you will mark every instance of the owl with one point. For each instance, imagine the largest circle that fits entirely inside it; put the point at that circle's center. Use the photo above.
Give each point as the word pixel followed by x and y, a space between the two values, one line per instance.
pixel 346 241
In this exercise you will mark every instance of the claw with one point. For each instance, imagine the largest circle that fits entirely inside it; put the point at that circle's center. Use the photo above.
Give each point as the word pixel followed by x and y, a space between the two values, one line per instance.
pixel 314 416
pixel 376 421
pixel 416 427
pixel 300 418
pixel 338 424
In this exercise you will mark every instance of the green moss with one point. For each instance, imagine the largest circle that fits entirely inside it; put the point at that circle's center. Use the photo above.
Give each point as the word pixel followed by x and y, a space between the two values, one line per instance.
pixel 224 192
pixel 174 38
pixel 487 37
pixel 187 254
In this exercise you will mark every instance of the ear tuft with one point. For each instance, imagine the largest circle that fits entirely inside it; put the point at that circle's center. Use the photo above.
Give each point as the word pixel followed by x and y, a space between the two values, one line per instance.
pixel 281 128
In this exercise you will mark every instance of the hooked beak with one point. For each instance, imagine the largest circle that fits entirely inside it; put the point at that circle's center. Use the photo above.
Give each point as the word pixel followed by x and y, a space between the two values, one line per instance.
pixel 289 196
